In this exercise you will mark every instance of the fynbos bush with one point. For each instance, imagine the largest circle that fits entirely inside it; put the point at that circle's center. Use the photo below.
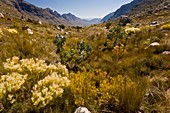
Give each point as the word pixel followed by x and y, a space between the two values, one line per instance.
pixel 32 81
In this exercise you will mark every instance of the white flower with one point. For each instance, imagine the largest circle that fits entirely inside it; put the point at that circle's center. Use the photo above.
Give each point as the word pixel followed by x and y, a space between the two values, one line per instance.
pixel 48 88
pixel 132 30
pixel 13 31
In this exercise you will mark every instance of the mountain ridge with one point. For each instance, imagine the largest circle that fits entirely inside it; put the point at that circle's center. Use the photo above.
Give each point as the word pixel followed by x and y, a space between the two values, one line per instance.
pixel 22 8
pixel 18 8
pixel 121 11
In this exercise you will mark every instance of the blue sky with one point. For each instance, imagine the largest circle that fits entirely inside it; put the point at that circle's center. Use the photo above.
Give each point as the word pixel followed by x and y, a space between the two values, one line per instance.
pixel 81 8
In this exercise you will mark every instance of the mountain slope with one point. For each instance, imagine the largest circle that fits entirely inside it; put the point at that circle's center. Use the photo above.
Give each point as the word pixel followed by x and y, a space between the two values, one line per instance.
pixel 94 21
pixel 78 21
pixel 74 20
pixel 121 11
pixel 21 8
pixel 107 17
pixel 18 8
pixel 152 10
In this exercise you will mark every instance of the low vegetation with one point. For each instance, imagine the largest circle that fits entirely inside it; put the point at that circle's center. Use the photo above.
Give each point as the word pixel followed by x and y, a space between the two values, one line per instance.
pixel 106 68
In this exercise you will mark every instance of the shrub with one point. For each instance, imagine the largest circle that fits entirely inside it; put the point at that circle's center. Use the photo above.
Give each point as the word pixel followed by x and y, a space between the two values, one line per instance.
pixel 31 81
pixel 13 31
pixel 121 94
pixel 84 86
pixel 61 26
pixel 47 89
pixel 166 26
pixel 132 30
pixel 72 57
pixel 108 24
pixel 97 91
pixel 155 98
pixel 1 32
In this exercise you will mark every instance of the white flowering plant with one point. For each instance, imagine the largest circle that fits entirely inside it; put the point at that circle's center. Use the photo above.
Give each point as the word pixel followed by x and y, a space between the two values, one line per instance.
pixel 132 30
pixel 32 79
pixel 48 88
pixel 12 31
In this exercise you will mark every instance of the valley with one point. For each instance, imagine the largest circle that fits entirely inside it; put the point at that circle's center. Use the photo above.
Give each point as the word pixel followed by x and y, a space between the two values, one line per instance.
pixel 55 63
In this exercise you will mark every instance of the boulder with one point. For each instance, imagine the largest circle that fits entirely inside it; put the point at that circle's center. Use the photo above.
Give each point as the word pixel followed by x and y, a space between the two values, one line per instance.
pixel 82 110
pixel 39 22
pixel 1 15
pixel 166 53
pixel 29 31
pixel 124 20
pixel 154 44
pixel 154 23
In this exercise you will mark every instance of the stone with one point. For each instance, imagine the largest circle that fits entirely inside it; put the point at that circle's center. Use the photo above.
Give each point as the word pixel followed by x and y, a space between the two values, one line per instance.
pixel 124 20
pixel 39 22
pixel 1 15
pixel 154 23
pixel 154 44
pixel 166 53
pixel 82 110
pixel 29 31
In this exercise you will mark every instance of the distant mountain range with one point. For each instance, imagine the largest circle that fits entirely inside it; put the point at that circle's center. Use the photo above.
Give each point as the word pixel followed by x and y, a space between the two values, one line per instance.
pixel 21 8
pixel 78 21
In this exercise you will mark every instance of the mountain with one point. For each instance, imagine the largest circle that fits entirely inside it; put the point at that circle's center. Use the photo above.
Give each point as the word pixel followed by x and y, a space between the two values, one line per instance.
pixel 18 8
pixel 78 21
pixel 92 21
pixel 21 8
pixel 71 17
pixel 74 20
pixel 121 11
pixel 152 8
pixel 107 17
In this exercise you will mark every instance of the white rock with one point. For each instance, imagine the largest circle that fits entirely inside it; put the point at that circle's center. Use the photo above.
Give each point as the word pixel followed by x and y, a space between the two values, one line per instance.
pixel 155 23
pixel 66 33
pixel 58 28
pixel 40 22
pixel 154 44
pixel 166 53
pixel 82 110
pixel 1 15
pixel 30 31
